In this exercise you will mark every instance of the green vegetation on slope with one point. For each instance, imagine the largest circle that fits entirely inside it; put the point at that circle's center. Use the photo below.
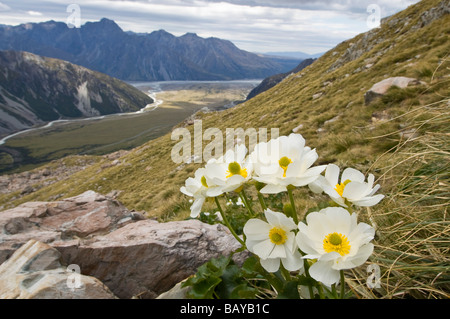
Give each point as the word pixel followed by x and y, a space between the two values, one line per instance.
pixel 402 138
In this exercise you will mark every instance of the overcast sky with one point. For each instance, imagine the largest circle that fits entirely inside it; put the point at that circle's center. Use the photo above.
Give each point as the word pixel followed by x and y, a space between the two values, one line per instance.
pixel 309 26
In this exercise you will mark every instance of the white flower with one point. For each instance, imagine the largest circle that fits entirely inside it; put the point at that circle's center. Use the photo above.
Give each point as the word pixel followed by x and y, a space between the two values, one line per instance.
pixel 239 202
pixel 229 172
pixel 284 161
pixel 274 241
pixel 198 188
pixel 334 238
pixel 350 187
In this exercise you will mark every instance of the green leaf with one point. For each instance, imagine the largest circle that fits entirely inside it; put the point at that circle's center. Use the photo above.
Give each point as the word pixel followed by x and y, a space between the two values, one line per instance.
pixel 204 289
pixel 289 291
pixel 250 265
pixel 244 291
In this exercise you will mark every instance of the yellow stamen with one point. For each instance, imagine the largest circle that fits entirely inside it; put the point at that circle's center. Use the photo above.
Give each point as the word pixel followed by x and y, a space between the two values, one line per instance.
pixel 203 181
pixel 277 236
pixel 340 187
pixel 235 169
pixel 336 242
pixel 284 163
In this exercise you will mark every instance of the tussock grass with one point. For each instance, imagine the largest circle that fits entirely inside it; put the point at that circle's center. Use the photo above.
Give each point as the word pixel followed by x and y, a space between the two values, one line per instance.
pixel 412 245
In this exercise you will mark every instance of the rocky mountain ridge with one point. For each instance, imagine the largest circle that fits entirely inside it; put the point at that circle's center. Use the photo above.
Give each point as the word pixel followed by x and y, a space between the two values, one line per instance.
pixel 157 56
pixel 36 89
pixel 273 80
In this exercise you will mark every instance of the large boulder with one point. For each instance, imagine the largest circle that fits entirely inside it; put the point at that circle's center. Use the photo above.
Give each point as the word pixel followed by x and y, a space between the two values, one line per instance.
pixel 146 258
pixel 81 216
pixel 380 88
pixel 34 271
pixel 133 256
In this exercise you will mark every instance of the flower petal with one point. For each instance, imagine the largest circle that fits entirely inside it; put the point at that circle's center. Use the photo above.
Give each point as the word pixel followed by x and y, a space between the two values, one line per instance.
pixel 264 248
pixel 256 229
pixel 322 271
pixel 278 251
pixel 355 191
pixel 214 191
pixel 309 158
pixel 293 262
pixel 353 175
pixel 185 191
pixel 276 219
pixel 369 201
pixel 273 189
pixel 332 175
pixel 304 242
pixel 196 207
pixel 360 258
pixel 271 264
pixel 317 186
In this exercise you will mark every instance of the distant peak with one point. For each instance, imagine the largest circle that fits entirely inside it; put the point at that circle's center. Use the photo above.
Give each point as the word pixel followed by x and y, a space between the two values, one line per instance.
pixel 161 33
pixel 191 34
pixel 105 23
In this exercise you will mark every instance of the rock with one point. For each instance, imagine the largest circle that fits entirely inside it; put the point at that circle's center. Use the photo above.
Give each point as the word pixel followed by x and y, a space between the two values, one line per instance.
pixel 433 14
pixel 39 177
pixel 380 88
pixel 177 292
pixel 317 95
pixel 35 272
pixel 147 258
pixel 133 256
pixel 297 128
pixel 78 217
pixel 27 190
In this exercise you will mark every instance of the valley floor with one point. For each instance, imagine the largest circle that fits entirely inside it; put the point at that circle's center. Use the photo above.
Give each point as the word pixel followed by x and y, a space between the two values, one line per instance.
pixel 175 101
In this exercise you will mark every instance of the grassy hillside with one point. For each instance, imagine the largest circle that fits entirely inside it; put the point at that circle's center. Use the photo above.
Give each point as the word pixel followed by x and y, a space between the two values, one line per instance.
pixel 402 138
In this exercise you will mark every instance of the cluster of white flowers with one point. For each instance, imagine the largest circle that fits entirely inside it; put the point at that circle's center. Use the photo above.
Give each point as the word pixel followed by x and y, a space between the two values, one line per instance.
pixel 331 239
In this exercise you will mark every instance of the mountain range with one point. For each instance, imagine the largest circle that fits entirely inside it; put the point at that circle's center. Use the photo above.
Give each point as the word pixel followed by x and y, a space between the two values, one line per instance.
pixel 273 80
pixel 35 90
pixel 295 54
pixel 157 56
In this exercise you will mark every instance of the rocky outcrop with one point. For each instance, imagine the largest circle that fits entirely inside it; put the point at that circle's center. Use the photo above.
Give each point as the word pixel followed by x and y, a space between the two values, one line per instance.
pixel 82 216
pixel 131 255
pixel 397 25
pixel 380 88
pixel 34 271
pixel 147 258
pixel 30 181
pixel 36 89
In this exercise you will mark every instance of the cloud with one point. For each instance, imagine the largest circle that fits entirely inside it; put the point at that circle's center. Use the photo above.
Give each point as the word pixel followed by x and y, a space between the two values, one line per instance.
pixel 34 13
pixel 254 25
pixel 4 7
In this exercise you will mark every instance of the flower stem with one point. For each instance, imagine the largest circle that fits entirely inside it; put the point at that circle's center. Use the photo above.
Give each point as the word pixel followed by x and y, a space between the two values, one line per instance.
pixel 227 223
pixel 342 284
pixel 306 266
pixel 294 211
pixel 349 206
pixel 262 202
pixel 320 289
pixel 247 203
pixel 285 272
pixel 333 291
